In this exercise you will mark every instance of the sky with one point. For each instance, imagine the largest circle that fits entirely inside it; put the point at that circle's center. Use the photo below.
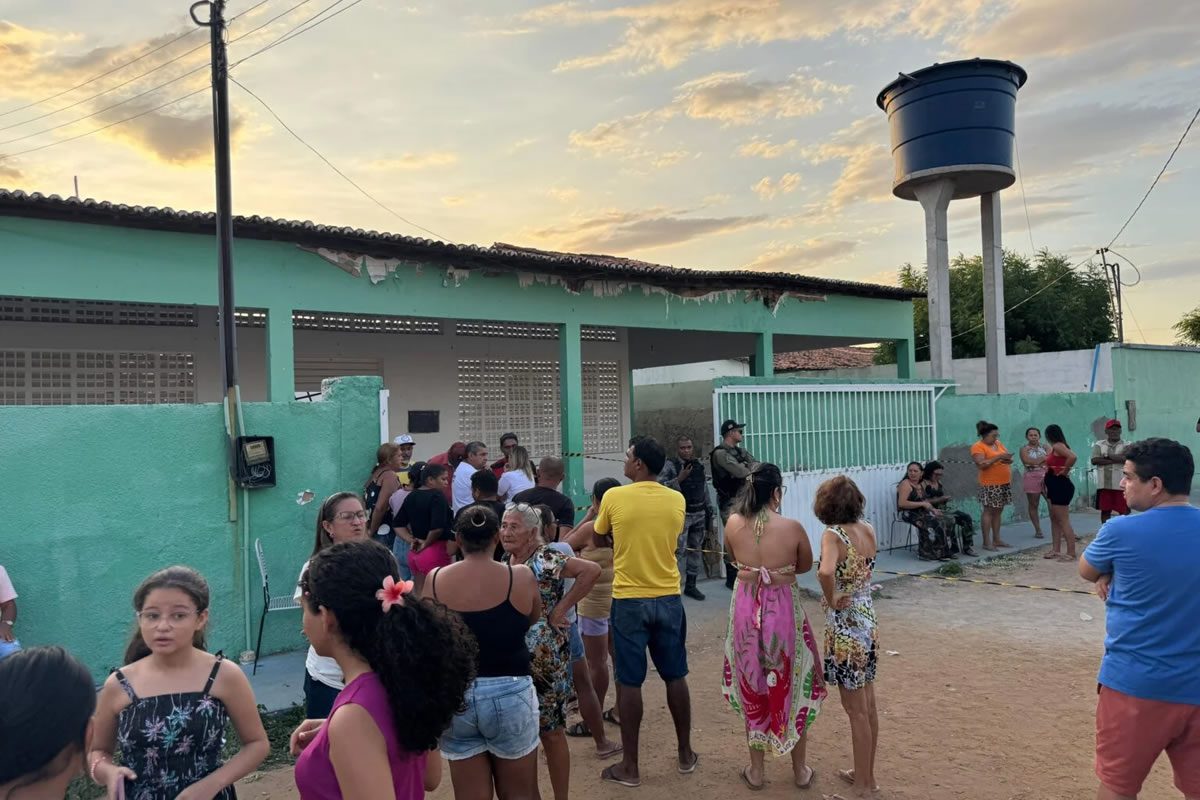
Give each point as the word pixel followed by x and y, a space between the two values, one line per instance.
pixel 709 134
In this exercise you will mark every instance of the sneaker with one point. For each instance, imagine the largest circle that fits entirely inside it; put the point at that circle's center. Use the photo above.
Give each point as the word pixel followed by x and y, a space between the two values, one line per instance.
pixel 691 591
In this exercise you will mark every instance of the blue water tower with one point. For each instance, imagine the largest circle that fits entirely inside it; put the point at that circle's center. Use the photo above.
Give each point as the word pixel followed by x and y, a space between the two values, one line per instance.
pixel 953 130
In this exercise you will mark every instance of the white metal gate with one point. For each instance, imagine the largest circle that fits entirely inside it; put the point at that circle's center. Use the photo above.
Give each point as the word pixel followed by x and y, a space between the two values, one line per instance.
pixel 814 432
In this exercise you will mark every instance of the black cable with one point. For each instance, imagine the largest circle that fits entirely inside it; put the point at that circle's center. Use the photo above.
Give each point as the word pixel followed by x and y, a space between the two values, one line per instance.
pixel 117 68
pixel 1024 200
pixel 1135 268
pixel 1157 177
pixel 333 166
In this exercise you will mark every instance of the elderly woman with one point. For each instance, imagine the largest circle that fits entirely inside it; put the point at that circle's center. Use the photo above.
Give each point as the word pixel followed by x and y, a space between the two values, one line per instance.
pixel 548 638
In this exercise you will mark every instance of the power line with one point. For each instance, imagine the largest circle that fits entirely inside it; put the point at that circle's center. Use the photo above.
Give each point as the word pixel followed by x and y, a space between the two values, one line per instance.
pixel 164 84
pixel 1136 324
pixel 334 167
pixel 117 68
pixel 1024 200
pixel 299 29
pixel 1135 268
pixel 1158 176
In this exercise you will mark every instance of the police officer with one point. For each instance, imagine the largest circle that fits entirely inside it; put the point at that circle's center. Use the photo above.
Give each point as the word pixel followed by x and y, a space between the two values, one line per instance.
pixel 731 464
pixel 685 474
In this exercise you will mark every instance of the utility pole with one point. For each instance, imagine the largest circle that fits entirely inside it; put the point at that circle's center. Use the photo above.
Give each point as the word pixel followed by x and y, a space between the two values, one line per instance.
pixel 220 96
pixel 1113 272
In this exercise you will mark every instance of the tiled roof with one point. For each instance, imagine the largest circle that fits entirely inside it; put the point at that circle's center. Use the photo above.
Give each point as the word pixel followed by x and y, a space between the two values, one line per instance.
pixel 829 358
pixel 572 268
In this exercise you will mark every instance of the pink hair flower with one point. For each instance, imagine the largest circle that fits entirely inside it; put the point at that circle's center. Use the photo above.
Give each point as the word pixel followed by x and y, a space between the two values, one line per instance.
pixel 392 593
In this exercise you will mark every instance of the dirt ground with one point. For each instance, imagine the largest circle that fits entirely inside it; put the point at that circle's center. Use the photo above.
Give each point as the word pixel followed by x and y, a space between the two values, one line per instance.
pixel 991 696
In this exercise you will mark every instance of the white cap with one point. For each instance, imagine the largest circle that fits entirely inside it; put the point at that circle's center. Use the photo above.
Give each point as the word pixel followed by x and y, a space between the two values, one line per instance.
pixel 403 438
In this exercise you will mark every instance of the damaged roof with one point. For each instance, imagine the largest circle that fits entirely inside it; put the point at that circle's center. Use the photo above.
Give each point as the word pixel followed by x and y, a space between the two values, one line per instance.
pixel 574 269
pixel 824 359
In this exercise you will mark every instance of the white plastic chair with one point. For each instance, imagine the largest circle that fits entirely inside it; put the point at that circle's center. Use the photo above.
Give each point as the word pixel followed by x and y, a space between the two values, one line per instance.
pixel 279 602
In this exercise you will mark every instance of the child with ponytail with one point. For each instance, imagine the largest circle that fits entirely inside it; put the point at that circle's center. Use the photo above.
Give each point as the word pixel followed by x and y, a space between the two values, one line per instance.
pixel 407 664
pixel 167 708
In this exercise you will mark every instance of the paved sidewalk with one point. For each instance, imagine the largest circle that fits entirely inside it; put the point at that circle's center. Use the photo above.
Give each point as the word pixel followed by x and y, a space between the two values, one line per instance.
pixel 279 683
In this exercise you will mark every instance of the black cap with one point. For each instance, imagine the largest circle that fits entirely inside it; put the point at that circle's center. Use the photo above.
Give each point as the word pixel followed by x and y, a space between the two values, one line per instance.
pixel 729 425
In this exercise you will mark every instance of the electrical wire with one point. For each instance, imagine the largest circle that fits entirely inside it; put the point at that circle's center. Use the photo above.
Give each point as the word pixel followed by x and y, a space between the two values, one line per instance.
pixel 1024 200
pixel 1135 268
pixel 117 68
pixel 164 84
pixel 334 167
pixel 1157 177
pixel 304 27
pixel 1128 309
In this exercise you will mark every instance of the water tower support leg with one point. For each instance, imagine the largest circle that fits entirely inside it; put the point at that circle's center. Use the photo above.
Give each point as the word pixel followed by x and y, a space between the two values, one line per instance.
pixel 993 291
pixel 935 199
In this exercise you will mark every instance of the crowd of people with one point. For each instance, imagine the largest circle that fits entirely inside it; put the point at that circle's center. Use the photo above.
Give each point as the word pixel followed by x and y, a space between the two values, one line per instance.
pixel 468 638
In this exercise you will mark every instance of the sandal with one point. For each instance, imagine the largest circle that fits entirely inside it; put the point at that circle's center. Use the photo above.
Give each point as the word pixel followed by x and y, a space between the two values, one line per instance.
pixel 812 776
pixel 847 776
pixel 615 750
pixel 610 716
pixel 754 787
pixel 1051 554
pixel 579 730
pixel 608 776
pixel 688 770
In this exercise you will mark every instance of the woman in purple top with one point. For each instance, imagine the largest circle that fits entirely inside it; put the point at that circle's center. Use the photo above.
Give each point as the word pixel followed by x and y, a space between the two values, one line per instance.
pixel 407 664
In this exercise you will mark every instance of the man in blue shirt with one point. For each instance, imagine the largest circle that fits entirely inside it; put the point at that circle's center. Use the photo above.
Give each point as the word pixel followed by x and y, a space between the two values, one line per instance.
pixel 1147 569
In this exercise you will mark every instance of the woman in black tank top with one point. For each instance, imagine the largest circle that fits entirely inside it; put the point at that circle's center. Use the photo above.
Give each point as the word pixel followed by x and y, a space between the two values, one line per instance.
pixel 498 602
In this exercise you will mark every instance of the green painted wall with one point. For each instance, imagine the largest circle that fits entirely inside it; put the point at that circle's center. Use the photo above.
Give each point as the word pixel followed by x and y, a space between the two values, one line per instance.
pixel 98 497
pixel 1165 385
pixel 1080 415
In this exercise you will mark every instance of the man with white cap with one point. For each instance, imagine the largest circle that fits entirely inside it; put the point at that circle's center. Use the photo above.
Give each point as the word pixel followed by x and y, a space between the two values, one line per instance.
pixel 406 445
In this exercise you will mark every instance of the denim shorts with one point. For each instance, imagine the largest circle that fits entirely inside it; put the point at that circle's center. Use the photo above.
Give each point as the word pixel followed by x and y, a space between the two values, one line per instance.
pixel 501 718
pixel 401 550
pixel 657 623
pixel 576 643
pixel 8 648
pixel 593 627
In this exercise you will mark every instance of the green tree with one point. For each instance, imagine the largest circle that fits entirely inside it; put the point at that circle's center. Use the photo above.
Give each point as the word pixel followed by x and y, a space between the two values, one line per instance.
pixel 1052 306
pixel 1188 327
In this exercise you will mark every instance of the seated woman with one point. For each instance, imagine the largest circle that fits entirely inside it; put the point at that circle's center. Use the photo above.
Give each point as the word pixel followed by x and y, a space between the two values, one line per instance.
pixel 917 511
pixel 959 527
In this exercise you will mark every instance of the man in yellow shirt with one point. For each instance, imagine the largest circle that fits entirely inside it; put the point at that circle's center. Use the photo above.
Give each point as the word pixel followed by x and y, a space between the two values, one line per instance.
pixel 644 519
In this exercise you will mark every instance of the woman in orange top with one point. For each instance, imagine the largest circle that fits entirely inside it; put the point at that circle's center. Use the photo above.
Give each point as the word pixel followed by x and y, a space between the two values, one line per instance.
pixel 995 476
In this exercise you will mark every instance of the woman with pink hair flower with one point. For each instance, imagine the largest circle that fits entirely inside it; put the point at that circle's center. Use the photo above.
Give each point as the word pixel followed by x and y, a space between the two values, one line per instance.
pixel 407 663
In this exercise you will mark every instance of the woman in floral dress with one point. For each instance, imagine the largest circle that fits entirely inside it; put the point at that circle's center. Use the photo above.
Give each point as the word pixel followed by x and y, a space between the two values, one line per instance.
pixel 165 711
pixel 851 638
pixel 772 676
pixel 549 645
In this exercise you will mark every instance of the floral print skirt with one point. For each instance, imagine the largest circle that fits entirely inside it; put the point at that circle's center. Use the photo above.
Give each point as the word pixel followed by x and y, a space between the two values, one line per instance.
pixel 772 676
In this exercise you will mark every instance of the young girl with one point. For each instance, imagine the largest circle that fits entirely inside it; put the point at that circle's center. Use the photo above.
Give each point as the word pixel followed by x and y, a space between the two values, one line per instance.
pixel 407 663
pixel 166 709
pixel 341 518
pixel 46 704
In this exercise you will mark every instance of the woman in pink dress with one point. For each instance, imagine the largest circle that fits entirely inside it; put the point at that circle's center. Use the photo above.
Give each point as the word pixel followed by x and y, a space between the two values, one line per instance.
pixel 771 672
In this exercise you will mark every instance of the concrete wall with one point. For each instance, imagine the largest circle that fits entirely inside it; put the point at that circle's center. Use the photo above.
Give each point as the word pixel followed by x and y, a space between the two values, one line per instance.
pixel 1163 383
pixel 1037 373
pixel 1081 416
pixel 98 497
pixel 668 411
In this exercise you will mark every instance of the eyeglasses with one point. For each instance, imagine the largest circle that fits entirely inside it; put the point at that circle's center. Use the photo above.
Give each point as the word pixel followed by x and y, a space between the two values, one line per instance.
pixel 174 619
pixel 347 516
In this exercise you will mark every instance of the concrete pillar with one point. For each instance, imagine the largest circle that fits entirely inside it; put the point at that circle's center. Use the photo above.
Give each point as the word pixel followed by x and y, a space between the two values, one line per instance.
pixel 993 291
pixel 570 383
pixel 935 199
pixel 281 356
pixel 762 363
pixel 906 359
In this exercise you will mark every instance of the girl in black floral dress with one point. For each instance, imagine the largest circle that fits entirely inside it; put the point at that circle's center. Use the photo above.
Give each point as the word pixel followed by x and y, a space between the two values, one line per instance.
pixel 166 711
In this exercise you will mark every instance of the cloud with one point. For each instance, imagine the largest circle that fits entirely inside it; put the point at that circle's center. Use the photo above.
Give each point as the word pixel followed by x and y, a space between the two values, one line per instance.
pixel 866 174
pixel 521 144
pixel 413 161
pixel 568 194
pixel 796 257
pixel 666 33
pixel 765 148
pixel 626 231
pixel 454 200
pixel 768 190
pixel 1182 268
pixel 732 99
pixel 10 173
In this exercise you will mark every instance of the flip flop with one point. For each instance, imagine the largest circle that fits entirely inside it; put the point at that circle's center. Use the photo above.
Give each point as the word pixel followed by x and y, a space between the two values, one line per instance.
pixel 615 751
pixel 847 776
pixel 579 731
pixel 754 787
pixel 812 776
pixel 607 776
pixel 688 770
pixel 1050 555
pixel 610 716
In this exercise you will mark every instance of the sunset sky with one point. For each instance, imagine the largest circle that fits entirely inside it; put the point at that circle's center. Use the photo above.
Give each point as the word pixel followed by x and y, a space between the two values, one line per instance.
pixel 699 133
